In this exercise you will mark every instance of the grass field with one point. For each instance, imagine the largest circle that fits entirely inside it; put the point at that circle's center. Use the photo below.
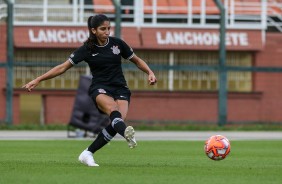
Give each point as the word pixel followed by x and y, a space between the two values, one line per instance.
pixel 156 162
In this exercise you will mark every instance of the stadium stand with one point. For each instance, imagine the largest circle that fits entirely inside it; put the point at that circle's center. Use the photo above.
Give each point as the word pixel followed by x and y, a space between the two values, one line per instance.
pixel 181 6
pixel 103 6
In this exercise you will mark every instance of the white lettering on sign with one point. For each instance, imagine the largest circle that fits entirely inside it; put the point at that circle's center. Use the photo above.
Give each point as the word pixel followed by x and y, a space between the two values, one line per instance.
pixel 201 38
pixel 57 36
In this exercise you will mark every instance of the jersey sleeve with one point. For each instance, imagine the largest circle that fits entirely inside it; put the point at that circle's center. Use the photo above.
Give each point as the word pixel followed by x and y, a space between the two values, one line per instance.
pixel 127 51
pixel 78 55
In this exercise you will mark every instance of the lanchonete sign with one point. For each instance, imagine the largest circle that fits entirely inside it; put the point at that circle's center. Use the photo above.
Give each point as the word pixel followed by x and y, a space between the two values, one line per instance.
pixel 144 38
pixel 61 37
pixel 201 38
pixel 57 36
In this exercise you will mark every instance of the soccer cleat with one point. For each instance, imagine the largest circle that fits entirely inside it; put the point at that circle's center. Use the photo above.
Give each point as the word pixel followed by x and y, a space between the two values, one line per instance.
pixel 129 136
pixel 86 157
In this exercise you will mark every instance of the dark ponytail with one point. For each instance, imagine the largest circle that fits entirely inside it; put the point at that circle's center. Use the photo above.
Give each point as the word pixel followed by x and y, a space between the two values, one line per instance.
pixel 94 22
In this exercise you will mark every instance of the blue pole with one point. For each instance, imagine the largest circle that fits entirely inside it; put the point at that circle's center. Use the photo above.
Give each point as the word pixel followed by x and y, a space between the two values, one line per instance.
pixel 117 18
pixel 222 91
pixel 9 66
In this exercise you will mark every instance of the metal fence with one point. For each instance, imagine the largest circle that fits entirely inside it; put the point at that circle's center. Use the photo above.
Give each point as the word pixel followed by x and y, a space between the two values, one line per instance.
pixel 140 13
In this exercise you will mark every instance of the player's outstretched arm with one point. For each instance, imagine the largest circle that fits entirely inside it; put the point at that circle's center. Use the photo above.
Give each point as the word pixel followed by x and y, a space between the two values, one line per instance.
pixel 57 70
pixel 142 65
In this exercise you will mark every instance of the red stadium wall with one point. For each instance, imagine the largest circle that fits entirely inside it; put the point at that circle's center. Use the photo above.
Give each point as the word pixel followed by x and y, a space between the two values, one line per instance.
pixel 183 106
pixel 58 105
pixel 148 106
pixel 60 112
pixel 270 83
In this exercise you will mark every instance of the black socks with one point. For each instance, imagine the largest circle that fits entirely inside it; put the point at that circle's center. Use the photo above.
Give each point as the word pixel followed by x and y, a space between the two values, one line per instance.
pixel 117 122
pixel 102 139
pixel 117 126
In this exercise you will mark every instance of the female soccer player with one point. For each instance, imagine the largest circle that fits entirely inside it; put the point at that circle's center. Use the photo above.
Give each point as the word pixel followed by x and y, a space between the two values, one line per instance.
pixel 108 89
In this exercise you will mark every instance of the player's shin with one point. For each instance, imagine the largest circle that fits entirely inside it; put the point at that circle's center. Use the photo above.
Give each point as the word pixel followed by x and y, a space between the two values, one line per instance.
pixel 102 139
pixel 117 122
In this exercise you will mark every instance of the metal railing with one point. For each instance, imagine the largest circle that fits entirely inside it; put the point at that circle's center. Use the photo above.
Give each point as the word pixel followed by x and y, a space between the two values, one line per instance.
pixel 240 15
pixel 3 10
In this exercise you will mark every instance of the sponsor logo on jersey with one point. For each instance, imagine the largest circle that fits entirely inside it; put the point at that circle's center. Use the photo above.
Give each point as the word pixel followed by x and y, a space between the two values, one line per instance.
pixel 115 50
pixel 72 55
pixel 95 54
pixel 101 90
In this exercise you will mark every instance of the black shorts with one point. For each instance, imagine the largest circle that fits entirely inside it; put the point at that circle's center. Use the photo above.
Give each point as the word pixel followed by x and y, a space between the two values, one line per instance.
pixel 117 93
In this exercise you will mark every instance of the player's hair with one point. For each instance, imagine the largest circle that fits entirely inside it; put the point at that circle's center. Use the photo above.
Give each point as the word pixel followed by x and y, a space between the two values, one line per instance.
pixel 94 22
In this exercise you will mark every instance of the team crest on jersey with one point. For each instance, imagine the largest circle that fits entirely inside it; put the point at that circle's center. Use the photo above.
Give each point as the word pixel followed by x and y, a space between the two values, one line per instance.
pixel 101 90
pixel 115 50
